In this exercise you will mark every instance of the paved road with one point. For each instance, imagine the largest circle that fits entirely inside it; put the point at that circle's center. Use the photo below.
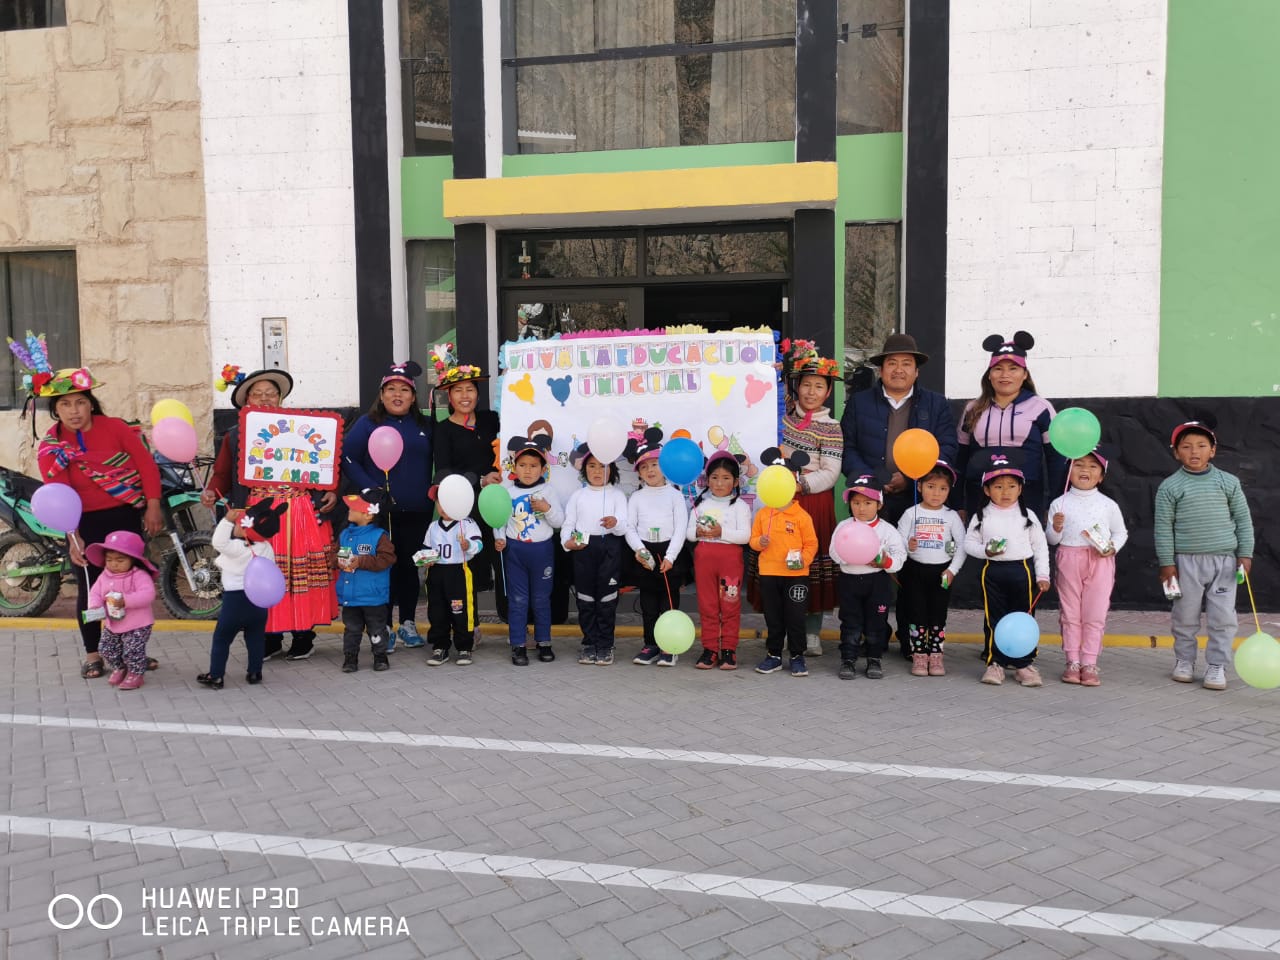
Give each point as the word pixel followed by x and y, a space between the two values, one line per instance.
pixel 569 811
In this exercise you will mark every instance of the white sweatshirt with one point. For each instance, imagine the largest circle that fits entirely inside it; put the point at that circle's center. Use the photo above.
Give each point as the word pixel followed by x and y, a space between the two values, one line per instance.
pixel 656 514
pixel 1022 542
pixel 891 545
pixel 588 506
pixel 234 554
pixel 1081 509
pixel 939 536
pixel 734 519
pixel 525 525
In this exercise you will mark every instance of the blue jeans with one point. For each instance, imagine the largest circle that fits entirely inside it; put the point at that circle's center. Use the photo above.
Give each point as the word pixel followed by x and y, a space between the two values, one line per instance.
pixel 530 568
pixel 238 614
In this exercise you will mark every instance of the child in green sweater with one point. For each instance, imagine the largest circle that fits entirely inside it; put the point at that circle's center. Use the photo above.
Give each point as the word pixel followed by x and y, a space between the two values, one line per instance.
pixel 1203 534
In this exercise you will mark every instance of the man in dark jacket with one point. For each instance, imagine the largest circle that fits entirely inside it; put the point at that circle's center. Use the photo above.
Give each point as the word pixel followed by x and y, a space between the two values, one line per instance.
pixel 873 419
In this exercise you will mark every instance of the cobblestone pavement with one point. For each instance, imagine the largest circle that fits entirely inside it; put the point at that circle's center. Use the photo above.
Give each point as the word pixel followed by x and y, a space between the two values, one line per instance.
pixel 560 810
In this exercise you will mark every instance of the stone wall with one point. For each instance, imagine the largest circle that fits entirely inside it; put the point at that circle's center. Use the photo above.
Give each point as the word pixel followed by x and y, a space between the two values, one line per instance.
pixel 100 146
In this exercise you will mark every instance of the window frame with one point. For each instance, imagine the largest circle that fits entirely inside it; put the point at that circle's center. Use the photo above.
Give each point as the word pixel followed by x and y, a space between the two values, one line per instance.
pixel 61 354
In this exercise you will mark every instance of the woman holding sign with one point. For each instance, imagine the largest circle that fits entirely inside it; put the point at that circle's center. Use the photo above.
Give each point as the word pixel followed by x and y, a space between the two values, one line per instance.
pixel 305 540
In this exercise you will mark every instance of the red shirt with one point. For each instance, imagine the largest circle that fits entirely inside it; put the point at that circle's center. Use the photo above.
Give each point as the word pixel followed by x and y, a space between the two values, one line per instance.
pixel 106 437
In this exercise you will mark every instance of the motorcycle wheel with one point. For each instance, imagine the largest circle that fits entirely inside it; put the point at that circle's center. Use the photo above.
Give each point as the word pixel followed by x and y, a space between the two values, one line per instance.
pixel 185 602
pixel 27 596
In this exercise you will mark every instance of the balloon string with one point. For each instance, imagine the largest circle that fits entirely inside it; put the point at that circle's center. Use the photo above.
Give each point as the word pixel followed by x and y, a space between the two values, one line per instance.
pixel 670 604
pixel 1032 608
pixel 387 475
pixel 1249 585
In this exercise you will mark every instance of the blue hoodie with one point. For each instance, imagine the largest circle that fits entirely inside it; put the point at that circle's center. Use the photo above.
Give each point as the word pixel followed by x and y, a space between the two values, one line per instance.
pixel 410 478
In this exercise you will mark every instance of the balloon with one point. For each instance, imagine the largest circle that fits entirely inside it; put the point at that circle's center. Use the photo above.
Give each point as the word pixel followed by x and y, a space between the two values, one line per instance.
pixel 1017 634
pixel 776 486
pixel 455 496
pixel 164 409
pixel 263 583
pixel 855 542
pixel 175 438
pixel 681 461
pixel 1257 661
pixel 674 632
pixel 385 447
pixel 681 435
pixel 57 506
pixel 915 452
pixel 606 439
pixel 1074 432
pixel 495 505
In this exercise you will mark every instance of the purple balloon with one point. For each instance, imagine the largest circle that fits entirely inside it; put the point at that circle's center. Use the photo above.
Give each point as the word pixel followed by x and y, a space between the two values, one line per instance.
pixel 263 583
pixel 385 447
pixel 57 506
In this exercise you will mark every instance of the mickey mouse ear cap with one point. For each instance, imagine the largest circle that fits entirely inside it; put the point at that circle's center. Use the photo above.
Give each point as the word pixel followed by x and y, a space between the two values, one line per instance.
pixel 1014 350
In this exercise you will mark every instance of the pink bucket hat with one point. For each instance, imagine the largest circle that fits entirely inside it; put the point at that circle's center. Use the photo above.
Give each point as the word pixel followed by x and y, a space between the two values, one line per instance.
pixel 121 541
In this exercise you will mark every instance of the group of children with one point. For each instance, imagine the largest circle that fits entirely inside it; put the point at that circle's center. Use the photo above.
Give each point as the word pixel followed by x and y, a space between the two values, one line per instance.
pixel 1203 535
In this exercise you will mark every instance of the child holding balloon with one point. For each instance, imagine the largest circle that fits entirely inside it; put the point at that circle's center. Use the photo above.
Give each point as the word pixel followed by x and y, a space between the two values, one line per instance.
pixel 719 527
pixel 1005 534
pixel 594 523
pixel 868 550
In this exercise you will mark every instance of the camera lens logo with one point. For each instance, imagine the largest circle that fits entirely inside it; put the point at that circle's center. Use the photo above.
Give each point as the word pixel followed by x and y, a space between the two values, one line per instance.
pixel 84 911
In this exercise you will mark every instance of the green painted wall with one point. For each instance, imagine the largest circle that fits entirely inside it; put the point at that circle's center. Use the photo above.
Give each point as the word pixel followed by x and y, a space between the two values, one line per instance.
pixel 653 158
pixel 1220 287
pixel 422 197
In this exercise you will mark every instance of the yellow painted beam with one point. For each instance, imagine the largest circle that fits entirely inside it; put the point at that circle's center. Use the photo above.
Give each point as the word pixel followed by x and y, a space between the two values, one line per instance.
pixel 675 192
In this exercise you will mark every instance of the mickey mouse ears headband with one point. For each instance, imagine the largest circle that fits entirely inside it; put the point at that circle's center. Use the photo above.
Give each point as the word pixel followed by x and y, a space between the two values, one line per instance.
pixel 406 371
pixel 1014 350
pixel 795 463
pixel 539 446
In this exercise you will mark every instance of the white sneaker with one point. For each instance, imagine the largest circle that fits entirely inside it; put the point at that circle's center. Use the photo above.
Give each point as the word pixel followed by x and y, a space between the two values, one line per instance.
pixel 1184 671
pixel 813 645
pixel 1215 677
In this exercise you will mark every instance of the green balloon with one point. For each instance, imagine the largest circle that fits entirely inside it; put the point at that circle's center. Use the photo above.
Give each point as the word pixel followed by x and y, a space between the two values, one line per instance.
pixel 495 505
pixel 1075 432
pixel 674 632
pixel 1258 661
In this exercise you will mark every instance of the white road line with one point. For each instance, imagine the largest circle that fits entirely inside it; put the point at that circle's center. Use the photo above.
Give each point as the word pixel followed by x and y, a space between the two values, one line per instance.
pixel 760 889
pixel 1150 788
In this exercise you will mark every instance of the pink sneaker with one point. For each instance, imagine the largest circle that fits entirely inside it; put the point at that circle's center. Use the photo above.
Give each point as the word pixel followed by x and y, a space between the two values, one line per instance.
pixel 936 669
pixel 1089 675
pixel 993 675
pixel 1072 673
pixel 117 675
pixel 131 682
pixel 1028 676
pixel 919 664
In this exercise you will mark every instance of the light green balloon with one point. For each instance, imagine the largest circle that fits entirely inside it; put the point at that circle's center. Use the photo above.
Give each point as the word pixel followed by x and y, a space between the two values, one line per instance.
pixel 495 505
pixel 674 632
pixel 1257 661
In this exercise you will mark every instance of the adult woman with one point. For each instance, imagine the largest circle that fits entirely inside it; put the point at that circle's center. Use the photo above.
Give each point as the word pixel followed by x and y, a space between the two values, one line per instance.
pixel 401 492
pixel 104 460
pixel 1008 415
pixel 305 541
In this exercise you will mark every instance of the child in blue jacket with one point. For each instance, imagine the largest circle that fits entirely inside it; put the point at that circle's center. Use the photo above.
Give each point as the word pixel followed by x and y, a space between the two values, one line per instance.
pixel 365 558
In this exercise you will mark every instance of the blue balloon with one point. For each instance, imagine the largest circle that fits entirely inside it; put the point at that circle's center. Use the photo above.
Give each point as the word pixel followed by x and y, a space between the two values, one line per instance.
pixel 681 461
pixel 1017 634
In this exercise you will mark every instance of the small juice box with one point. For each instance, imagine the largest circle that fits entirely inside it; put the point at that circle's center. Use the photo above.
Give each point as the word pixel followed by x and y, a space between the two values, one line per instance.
pixel 794 560
pixel 996 547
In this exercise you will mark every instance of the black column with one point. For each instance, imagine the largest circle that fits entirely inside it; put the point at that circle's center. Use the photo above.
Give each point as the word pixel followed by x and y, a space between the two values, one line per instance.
pixel 372 193
pixel 925 214
pixel 813 272
pixel 816 80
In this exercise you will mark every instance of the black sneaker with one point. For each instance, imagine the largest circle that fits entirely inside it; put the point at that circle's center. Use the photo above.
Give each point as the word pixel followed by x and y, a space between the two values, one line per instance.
pixel 519 656
pixel 874 670
pixel 272 649
pixel 380 662
pixel 848 670
pixel 707 661
pixel 205 680
pixel 299 651
pixel 350 665
pixel 728 660
pixel 253 678
pixel 545 653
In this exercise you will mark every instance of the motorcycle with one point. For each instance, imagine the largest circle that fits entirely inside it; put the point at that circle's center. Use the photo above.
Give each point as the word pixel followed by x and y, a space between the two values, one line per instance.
pixel 35 560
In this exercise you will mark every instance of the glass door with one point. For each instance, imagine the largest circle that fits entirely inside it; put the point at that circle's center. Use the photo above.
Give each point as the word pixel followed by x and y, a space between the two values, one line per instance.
pixel 543 313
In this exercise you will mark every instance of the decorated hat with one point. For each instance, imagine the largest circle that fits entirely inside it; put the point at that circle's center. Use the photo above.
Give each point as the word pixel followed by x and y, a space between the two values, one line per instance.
pixel 539 446
pixel 405 372
pixel 943 467
pixel 647 447
pixel 358 504
pixel 899 343
pixel 868 485
pixel 795 463
pixel 120 541
pixel 801 359
pixel 1002 465
pixel 281 378
pixel 41 380
pixel 1015 349
pixel 261 521
pixel 1194 426
pixel 230 376
pixel 449 372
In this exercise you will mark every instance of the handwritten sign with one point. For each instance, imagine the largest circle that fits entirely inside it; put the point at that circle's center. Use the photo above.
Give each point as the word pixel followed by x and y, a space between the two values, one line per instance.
pixel 295 448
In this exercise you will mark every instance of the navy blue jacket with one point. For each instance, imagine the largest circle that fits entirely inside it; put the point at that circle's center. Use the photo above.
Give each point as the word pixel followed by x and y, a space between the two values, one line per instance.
pixel 865 425
pixel 410 477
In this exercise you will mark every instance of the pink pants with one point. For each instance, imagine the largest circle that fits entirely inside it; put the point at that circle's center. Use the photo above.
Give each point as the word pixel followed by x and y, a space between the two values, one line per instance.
pixel 1085 579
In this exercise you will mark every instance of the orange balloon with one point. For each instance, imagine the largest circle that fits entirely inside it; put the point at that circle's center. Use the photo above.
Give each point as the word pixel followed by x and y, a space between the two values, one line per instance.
pixel 915 452
pixel 682 433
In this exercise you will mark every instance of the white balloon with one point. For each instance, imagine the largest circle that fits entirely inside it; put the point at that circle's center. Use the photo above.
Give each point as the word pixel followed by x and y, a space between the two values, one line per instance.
pixel 455 496
pixel 606 439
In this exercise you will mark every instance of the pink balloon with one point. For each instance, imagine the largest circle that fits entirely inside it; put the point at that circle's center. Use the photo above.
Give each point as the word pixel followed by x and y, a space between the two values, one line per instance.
pixel 175 438
pixel 56 505
pixel 856 543
pixel 385 447
pixel 263 583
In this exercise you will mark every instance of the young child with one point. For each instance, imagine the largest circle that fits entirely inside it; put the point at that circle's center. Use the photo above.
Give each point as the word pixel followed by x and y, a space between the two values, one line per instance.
pixel 866 589
pixel 365 558
pixel 1204 533
pixel 450 598
pixel 239 537
pixel 528 549
pixel 1088 530
pixel 934 535
pixel 124 594
pixel 657 521
pixel 1006 535
pixel 719 527
pixel 594 525
pixel 787 544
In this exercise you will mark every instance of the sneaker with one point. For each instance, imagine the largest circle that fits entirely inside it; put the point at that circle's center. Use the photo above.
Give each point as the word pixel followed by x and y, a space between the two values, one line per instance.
pixel 545 653
pixel 519 656
pixel 994 674
pixel 1184 670
pixel 667 660
pixel 707 661
pixel 350 665
pixel 117 676
pixel 919 664
pixel 438 656
pixel 1215 677
pixel 587 656
pixel 1089 675
pixel 463 659
pixel 380 662
pixel 769 664
pixel 273 648
pixel 1072 673
pixel 206 680
pixel 408 632
pixel 813 645
pixel 1028 676
pixel 300 651
pixel 848 670
pixel 936 669
pixel 874 670
pixel 604 659
pixel 728 659
pixel 252 678
pixel 798 668
pixel 392 637
pixel 133 681
pixel 647 655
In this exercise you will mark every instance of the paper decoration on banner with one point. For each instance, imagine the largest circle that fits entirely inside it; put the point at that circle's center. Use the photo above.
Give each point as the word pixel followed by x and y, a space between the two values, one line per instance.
pixel 757 389
pixel 720 387
pixel 523 388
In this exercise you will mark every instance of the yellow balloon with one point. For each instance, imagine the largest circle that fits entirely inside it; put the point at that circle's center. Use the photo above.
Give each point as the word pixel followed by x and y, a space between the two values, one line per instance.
pixel 171 408
pixel 776 486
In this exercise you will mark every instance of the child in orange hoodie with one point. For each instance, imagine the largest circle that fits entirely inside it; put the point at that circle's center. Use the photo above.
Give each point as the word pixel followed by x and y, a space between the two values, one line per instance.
pixel 787 543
